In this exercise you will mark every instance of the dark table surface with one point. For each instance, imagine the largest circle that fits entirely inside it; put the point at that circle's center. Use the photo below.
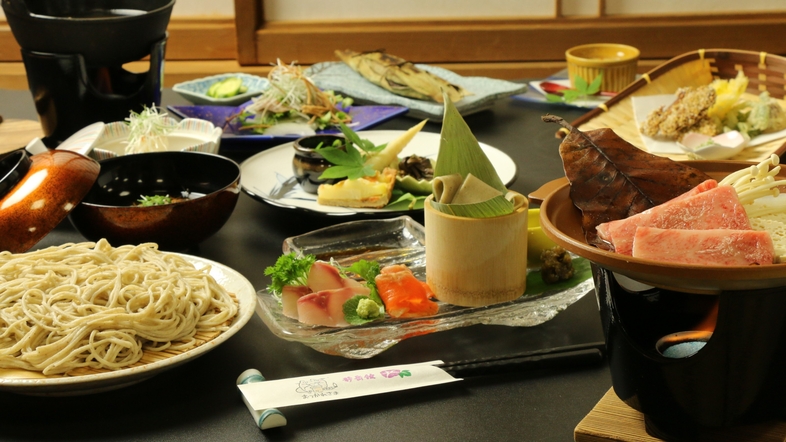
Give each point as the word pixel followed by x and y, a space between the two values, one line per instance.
pixel 199 400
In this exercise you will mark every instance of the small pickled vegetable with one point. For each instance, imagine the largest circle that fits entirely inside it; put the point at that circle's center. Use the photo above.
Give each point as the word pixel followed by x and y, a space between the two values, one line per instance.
pixel 228 87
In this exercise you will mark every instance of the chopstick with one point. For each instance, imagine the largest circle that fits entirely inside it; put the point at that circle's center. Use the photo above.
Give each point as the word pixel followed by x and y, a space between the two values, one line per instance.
pixel 560 357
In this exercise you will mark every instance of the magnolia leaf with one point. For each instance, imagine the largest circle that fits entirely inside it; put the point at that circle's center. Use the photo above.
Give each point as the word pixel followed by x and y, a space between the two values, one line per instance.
pixel 611 179
pixel 459 151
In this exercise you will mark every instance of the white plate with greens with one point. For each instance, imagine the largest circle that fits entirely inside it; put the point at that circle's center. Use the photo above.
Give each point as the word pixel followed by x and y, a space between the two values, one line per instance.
pixel 268 176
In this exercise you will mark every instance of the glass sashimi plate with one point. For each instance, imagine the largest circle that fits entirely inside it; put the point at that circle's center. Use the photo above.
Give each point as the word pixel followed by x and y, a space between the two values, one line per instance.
pixel 402 241
pixel 363 118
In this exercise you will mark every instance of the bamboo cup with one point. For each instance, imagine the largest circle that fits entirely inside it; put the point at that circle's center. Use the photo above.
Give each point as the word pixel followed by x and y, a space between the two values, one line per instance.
pixel 474 262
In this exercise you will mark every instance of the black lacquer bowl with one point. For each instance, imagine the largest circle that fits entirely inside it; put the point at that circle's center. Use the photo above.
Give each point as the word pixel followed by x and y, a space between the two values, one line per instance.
pixel 736 376
pixel 210 182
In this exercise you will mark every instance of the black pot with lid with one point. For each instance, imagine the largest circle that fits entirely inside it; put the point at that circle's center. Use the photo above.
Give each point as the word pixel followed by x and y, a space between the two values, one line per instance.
pixel 74 52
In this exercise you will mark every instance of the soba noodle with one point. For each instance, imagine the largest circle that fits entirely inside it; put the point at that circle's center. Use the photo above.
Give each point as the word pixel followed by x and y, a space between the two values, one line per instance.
pixel 97 306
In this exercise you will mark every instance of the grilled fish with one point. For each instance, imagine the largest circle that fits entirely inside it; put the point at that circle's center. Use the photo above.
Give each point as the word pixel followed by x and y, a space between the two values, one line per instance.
pixel 399 76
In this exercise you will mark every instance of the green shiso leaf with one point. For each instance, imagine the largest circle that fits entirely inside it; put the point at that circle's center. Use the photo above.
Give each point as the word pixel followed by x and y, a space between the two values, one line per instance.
pixel 361 310
pixel 459 151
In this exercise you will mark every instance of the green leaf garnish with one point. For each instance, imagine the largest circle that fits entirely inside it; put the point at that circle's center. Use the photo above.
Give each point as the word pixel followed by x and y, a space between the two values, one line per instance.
pixel 368 270
pixel 154 200
pixel 361 310
pixel 349 160
pixel 581 90
pixel 581 272
pixel 289 270
pixel 405 201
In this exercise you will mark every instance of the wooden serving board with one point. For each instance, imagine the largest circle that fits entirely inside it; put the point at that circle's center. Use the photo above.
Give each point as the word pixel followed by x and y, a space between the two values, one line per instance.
pixel 18 133
pixel 613 420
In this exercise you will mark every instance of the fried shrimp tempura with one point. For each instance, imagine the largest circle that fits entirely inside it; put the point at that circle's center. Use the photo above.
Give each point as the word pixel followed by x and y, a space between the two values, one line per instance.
pixel 687 114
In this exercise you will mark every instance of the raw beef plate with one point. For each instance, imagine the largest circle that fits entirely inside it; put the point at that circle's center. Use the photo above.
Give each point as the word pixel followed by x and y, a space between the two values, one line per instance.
pixel 704 247
pixel 706 207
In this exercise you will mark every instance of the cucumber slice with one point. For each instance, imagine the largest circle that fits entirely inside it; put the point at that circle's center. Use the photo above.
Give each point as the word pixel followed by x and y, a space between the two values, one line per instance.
pixel 228 87
pixel 211 92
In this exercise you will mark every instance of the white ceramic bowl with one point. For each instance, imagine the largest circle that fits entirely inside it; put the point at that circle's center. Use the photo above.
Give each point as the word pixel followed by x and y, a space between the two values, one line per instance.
pixel 190 134
pixel 195 91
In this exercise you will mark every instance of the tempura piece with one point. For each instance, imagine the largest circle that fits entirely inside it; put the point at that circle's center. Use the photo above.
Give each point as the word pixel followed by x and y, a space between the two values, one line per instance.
pixel 688 113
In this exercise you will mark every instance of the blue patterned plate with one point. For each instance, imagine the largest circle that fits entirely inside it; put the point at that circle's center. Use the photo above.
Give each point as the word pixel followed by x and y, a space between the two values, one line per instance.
pixel 339 77
pixel 195 91
pixel 363 118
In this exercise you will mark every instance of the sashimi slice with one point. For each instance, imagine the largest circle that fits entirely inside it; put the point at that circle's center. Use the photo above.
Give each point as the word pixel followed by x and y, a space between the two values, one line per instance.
pixel 404 295
pixel 327 306
pixel 289 296
pixel 704 247
pixel 603 229
pixel 716 208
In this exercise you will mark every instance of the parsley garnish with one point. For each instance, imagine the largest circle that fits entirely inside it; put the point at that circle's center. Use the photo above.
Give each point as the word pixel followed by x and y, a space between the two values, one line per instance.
pixel 289 270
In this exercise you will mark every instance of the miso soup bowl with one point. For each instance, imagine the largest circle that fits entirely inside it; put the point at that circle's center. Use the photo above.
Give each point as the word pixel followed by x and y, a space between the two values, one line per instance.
pixel 209 182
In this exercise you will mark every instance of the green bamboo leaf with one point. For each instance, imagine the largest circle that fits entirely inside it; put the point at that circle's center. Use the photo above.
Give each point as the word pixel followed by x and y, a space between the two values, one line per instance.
pixel 496 206
pixel 459 151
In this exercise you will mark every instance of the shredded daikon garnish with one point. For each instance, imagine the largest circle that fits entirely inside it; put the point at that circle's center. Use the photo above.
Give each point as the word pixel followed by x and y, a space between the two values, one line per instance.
pixel 147 131
pixel 293 97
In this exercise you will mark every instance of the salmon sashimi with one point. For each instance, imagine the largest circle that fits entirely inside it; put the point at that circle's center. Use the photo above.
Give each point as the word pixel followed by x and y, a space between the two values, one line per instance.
pixel 704 247
pixel 404 295
pixel 716 208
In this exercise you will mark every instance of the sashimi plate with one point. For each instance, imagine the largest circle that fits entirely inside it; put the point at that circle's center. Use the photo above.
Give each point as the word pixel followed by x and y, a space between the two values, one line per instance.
pixel 268 176
pixel 401 240
pixel 363 118
pixel 561 221
pixel 227 277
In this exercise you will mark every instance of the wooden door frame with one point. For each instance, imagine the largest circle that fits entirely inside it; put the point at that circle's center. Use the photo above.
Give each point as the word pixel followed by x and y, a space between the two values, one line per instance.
pixel 503 47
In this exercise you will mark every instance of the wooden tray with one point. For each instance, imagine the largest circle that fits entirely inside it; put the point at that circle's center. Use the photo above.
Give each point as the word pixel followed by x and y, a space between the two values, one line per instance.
pixel 613 420
pixel 766 72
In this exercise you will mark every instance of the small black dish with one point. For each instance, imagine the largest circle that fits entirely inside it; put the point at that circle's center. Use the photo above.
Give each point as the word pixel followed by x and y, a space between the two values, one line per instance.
pixel 308 164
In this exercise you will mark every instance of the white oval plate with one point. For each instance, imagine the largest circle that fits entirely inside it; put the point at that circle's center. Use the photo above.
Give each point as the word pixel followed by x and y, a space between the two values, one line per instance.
pixel 227 277
pixel 268 177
